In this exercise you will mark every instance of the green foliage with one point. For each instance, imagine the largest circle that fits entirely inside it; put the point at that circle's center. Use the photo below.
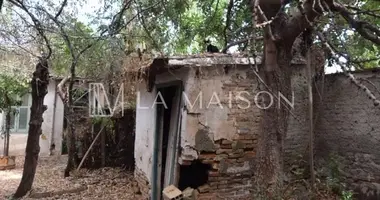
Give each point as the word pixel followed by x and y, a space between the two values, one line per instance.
pixel 181 26
pixel 334 176
pixel 94 62
pixel 102 120
pixel 11 87
pixel 360 52
pixel 335 179
pixel 347 195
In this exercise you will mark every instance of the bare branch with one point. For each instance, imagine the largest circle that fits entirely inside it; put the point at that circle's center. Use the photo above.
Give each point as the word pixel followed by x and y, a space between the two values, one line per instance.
pixel 366 12
pixel 36 22
pixel 265 21
pixel 64 3
pixel 60 89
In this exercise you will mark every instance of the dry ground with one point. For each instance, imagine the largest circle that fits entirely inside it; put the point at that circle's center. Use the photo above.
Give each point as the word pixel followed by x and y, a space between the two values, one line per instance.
pixel 105 183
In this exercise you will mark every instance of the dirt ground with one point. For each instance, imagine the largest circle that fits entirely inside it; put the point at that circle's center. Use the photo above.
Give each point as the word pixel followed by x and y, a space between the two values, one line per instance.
pixel 105 183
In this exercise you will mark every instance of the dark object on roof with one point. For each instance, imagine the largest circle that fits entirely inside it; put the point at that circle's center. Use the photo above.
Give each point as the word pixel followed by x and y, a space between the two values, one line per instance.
pixel 211 48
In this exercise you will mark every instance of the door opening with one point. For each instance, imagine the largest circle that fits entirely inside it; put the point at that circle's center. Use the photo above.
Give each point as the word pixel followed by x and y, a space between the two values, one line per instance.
pixel 167 120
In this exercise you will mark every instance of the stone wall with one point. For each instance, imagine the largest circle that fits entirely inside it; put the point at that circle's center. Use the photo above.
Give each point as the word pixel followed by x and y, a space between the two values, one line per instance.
pixel 348 127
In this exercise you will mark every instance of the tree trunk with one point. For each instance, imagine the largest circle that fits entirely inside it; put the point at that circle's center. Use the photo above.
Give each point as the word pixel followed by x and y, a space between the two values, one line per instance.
pixel 7 125
pixel 39 85
pixel 276 75
pixel 71 139
pixel 103 147
pixel 71 143
pixel 7 130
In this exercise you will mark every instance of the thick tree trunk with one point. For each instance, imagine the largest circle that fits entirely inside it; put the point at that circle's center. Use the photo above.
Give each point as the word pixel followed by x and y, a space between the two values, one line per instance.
pixel 276 75
pixel 39 85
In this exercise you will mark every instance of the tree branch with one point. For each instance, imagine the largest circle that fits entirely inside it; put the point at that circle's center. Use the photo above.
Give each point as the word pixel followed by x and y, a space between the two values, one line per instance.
pixel 295 25
pixel 350 76
pixel 228 21
pixel 60 89
pixel 64 3
pixel 366 30
pixel 366 12
pixel 37 24
pixel 142 20
pixel 239 42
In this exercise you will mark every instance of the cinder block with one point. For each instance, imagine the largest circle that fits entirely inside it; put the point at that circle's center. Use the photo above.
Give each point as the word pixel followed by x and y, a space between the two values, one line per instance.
pixel 172 193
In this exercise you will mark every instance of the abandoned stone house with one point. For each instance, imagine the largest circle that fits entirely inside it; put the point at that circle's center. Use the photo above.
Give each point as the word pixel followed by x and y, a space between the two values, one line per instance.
pixel 197 126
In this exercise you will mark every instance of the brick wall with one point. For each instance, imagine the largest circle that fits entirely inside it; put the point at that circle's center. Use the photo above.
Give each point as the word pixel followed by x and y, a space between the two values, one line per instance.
pixel 296 140
pixel 349 126
pixel 232 155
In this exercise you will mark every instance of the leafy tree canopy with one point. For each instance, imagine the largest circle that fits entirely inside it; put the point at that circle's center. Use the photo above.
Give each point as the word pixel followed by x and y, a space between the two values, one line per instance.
pixel 171 27
pixel 181 26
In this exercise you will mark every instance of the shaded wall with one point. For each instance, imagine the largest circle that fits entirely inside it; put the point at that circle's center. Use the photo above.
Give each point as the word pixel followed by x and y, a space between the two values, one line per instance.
pixel 296 140
pixel 18 140
pixel 349 126
pixel 347 130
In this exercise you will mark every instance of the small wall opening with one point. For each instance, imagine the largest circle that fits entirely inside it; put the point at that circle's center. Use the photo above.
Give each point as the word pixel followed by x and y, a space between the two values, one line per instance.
pixel 193 175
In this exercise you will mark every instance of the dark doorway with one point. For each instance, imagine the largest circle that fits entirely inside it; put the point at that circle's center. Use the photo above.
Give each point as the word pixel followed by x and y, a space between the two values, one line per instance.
pixel 168 94
pixel 193 175
pixel 167 119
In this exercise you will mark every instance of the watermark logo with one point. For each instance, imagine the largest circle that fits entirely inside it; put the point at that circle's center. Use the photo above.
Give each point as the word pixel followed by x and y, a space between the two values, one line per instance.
pixel 99 102
pixel 100 105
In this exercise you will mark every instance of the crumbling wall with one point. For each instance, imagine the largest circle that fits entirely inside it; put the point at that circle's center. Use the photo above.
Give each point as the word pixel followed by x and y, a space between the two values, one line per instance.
pixel 348 126
pixel 221 135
